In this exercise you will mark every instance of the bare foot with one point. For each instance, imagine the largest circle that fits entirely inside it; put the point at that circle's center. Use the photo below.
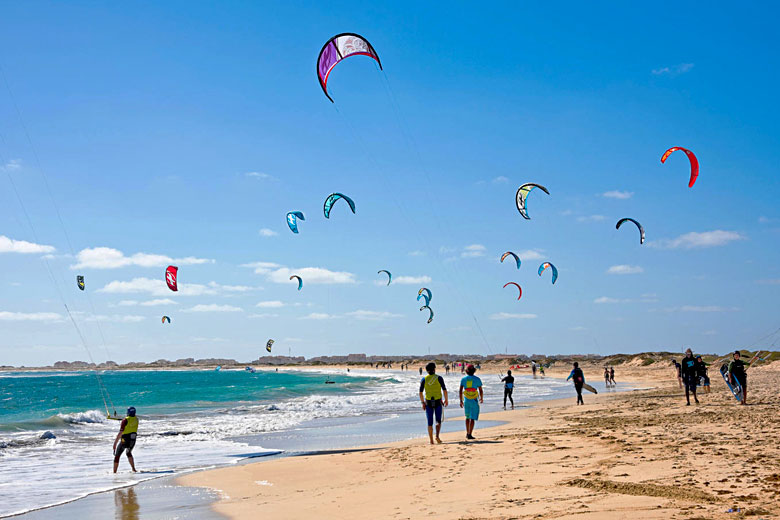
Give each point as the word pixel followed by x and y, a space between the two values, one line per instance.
pixel 438 440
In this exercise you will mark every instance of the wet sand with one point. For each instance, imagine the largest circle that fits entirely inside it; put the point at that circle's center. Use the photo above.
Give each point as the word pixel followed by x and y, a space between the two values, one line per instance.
pixel 641 454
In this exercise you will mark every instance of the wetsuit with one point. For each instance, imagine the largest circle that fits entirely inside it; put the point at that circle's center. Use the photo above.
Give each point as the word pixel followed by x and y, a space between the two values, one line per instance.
pixel 690 374
pixel 737 371
pixel 606 377
pixel 434 388
pixel 509 385
pixel 612 375
pixel 704 379
pixel 129 433
pixel 579 380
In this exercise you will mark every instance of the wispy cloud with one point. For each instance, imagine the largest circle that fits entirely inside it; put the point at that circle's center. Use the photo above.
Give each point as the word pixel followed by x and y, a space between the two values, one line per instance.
pixel 12 165
pixel 500 180
pixel 260 175
pixel 767 220
pixel 265 232
pixel 701 308
pixel 625 269
pixel 591 218
pixel 674 70
pixel 213 307
pixel 694 240
pixel 110 258
pixel 148 303
pixel 473 251
pixel 512 316
pixel 646 298
pixel 372 315
pixel 9 245
pixel 607 299
pixel 617 194
pixel 319 316
pixel 270 304
pixel 411 280
pixel 416 253
pixel 30 316
pixel 311 275
pixel 263 315
pixel 531 254
pixel 157 287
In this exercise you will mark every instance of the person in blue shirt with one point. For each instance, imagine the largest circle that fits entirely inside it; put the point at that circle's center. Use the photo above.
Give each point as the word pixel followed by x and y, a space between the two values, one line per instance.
pixel 509 384
pixel 579 380
pixel 471 390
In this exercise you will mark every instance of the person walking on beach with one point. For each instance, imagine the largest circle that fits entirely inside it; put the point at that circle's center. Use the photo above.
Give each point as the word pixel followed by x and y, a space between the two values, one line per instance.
pixel 678 367
pixel 579 380
pixel 434 388
pixel 612 376
pixel 471 389
pixel 509 384
pixel 128 430
pixel 606 375
pixel 533 368
pixel 690 376
pixel 420 370
pixel 704 379
pixel 738 373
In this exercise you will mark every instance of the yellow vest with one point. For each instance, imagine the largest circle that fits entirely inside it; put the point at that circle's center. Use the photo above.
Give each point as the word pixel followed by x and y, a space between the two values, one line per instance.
pixel 131 426
pixel 432 387
pixel 469 392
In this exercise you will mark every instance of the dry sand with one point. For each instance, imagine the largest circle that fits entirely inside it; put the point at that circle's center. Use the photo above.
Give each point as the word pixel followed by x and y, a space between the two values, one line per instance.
pixel 639 455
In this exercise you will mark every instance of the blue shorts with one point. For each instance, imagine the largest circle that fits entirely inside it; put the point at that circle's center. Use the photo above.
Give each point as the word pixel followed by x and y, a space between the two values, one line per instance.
pixel 433 407
pixel 471 408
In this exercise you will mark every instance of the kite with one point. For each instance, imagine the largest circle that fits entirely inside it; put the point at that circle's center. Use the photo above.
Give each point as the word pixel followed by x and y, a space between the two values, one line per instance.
pixel 518 288
pixel 336 49
pixel 424 297
pixel 510 253
pixel 292 220
pixel 331 200
pixel 425 290
pixel 522 194
pixel 430 319
pixel 691 157
pixel 165 318
pixel 300 281
pixel 170 277
pixel 389 276
pixel 80 282
pixel 269 344
pixel 641 229
pixel 544 266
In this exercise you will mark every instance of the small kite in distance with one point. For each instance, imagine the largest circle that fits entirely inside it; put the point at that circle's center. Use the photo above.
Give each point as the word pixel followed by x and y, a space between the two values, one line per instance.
pixel 522 195
pixel 292 220
pixel 691 158
pixel 80 282
pixel 269 344
pixel 430 319
pixel 554 269
pixel 520 289
pixel 165 318
pixel 170 277
pixel 638 225
pixel 300 281
pixel 389 276
pixel 510 253
pixel 336 49
pixel 331 200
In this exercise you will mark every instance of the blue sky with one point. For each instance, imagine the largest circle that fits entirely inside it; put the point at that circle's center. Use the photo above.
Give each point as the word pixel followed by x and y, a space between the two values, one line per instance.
pixel 183 133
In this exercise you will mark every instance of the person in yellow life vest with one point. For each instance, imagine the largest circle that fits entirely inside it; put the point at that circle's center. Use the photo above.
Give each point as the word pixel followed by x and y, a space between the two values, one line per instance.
pixel 434 389
pixel 471 389
pixel 128 431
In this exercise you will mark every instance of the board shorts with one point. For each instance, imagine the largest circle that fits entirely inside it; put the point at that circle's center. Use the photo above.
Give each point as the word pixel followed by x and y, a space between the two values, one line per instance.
pixel 126 444
pixel 433 407
pixel 471 409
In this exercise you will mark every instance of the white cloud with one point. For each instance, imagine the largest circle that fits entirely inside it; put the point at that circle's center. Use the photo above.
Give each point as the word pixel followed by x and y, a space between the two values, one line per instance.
pixel 201 339
pixel 625 269
pixel 261 176
pixel 9 245
pixel 591 218
pixel 511 316
pixel 265 232
pixel 616 194
pixel 706 308
pixel 607 299
pixel 372 315
pixel 411 280
pixel 154 287
pixel 416 253
pixel 473 251
pixel 110 258
pixel 231 288
pixel 311 275
pixel 767 220
pixel 12 165
pixel 213 307
pixel 530 254
pixel 264 315
pixel 29 316
pixel 675 70
pixel 319 316
pixel 149 303
pixel 271 304
pixel 443 250
pixel 500 180
pixel 694 240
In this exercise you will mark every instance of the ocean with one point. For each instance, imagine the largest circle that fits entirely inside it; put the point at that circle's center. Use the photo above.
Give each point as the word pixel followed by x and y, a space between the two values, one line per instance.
pixel 196 419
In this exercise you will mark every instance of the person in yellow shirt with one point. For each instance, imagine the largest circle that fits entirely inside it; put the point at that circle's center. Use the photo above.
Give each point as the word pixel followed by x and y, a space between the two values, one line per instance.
pixel 128 431
pixel 435 392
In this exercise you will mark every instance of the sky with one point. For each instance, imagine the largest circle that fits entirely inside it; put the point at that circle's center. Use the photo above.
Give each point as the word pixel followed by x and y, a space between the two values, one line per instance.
pixel 137 136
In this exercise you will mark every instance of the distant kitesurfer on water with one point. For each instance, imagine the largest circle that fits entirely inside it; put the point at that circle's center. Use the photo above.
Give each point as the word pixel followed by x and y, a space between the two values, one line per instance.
pixel 738 373
pixel 128 430
pixel 579 380
pixel 471 389
pixel 509 384
pixel 434 389
pixel 704 379
pixel 690 376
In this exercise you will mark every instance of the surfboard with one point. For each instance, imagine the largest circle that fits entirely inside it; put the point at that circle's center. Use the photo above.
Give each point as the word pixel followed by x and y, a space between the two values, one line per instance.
pixel 589 388
pixel 736 389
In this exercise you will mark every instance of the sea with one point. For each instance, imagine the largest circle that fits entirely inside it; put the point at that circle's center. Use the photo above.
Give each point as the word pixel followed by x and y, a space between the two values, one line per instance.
pixel 56 440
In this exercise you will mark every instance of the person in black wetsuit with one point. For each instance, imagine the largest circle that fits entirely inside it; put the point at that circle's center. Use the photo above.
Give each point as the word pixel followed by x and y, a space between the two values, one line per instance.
pixel 704 379
pixel 737 371
pixel 690 375
pixel 579 380
pixel 509 384
pixel 612 376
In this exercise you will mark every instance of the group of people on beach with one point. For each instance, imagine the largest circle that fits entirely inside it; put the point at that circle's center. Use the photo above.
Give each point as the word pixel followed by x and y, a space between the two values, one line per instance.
pixel 692 372
pixel 609 376
pixel 434 398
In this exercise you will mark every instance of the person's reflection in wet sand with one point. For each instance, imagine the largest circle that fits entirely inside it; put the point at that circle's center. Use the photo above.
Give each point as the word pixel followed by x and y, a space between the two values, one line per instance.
pixel 126 503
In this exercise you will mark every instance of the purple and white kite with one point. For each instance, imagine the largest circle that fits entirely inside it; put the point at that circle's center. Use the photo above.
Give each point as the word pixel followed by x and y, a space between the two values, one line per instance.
pixel 336 49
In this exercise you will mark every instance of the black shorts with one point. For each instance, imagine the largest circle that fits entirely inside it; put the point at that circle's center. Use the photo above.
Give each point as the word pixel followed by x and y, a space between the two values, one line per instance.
pixel 742 382
pixel 126 444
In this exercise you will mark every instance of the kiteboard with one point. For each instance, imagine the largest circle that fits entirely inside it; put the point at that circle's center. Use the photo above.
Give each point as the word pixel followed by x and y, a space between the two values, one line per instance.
pixel 736 389
pixel 589 388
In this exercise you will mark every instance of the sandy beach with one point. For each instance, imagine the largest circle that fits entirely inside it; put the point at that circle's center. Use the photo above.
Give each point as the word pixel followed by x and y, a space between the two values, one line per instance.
pixel 641 454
